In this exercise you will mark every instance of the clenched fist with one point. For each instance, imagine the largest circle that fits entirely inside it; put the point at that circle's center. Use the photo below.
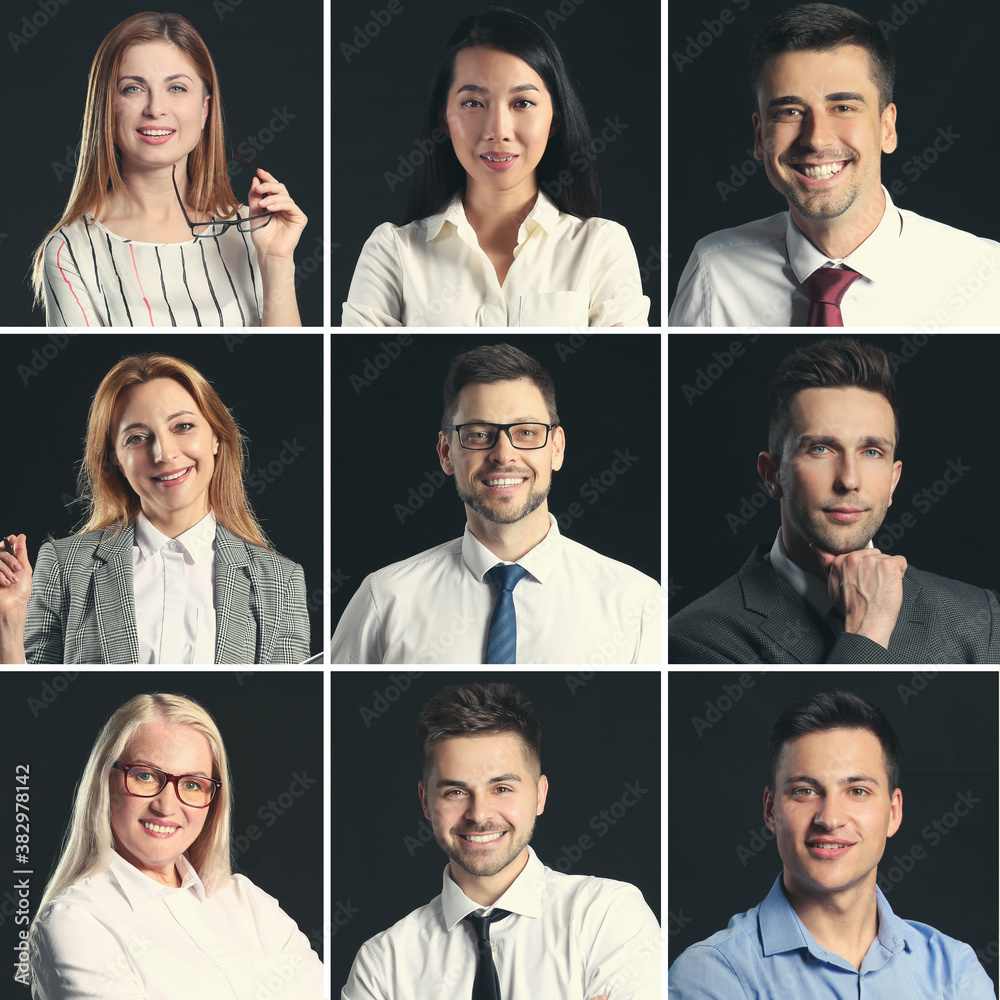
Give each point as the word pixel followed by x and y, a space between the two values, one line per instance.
pixel 867 586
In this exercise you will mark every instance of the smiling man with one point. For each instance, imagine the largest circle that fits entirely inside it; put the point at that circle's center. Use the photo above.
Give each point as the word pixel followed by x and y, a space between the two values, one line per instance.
pixel 512 589
pixel 824 593
pixel 843 254
pixel 826 929
pixel 504 926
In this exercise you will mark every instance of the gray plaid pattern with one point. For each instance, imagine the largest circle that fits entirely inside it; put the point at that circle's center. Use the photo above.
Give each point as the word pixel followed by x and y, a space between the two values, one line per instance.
pixel 82 607
pixel 756 617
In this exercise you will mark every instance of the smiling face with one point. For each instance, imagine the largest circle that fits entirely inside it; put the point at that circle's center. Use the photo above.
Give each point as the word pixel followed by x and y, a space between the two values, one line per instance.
pixel 152 833
pixel 503 484
pixel 166 450
pixel 482 795
pixel 498 115
pixel 837 475
pixel 819 131
pixel 831 811
pixel 160 108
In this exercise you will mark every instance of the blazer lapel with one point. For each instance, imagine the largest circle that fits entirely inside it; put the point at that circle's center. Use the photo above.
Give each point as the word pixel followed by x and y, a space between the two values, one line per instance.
pixel 114 597
pixel 236 627
pixel 915 638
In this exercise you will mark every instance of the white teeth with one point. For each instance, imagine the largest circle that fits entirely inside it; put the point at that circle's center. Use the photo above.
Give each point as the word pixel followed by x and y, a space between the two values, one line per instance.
pixel 823 171
pixel 497 159
pixel 504 482
pixel 159 829
pixel 176 475
pixel 829 847
pixel 487 838
pixel 156 131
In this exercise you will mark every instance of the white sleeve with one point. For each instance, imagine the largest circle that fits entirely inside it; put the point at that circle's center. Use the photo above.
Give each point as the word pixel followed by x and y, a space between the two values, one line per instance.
pixel 616 288
pixel 650 647
pixel 692 303
pixel 67 299
pixel 624 956
pixel 358 637
pixel 366 981
pixel 375 297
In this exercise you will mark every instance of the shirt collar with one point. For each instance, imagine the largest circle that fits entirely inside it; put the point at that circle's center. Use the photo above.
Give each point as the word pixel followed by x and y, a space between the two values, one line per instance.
pixel 539 561
pixel 782 930
pixel 544 213
pixel 810 587
pixel 140 889
pixel 878 258
pixel 198 541
pixel 523 895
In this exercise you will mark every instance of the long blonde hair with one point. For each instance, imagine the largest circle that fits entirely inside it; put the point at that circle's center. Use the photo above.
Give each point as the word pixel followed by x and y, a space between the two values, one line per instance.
pixel 88 845
pixel 112 501
pixel 98 169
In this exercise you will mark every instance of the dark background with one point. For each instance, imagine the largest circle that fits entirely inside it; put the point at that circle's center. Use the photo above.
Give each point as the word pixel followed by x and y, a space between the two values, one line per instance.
pixel 384 435
pixel 272 727
pixel 612 55
pixel 945 387
pixel 946 722
pixel 386 877
pixel 946 77
pixel 272 384
pixel 262 64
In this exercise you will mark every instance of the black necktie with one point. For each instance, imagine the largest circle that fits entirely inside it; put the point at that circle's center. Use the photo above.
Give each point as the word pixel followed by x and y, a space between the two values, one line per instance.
pixel 486 985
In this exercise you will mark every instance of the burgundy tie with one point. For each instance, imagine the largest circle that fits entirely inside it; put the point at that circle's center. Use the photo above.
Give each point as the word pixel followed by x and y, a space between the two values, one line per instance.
pixel 827 288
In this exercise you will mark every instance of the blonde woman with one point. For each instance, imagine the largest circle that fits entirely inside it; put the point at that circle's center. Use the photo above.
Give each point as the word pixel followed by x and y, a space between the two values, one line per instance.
pixel 153 234
pixel 171 565
pixel 143 901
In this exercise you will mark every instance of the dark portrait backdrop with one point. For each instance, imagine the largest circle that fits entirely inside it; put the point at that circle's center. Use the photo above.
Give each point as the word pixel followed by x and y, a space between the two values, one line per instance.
pixel 272 92
pixel 943 513
pixel 386 410
pixel 272 727
pixel 382 70
pixel 946 76
pixel 940 867
pixel 602 814
pixel 272 384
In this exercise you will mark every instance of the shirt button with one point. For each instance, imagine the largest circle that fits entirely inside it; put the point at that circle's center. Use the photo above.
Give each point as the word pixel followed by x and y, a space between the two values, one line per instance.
pixel 175 546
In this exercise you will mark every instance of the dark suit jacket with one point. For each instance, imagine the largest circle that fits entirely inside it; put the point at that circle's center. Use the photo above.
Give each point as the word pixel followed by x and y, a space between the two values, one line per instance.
pixel 82 605
pixel 756 617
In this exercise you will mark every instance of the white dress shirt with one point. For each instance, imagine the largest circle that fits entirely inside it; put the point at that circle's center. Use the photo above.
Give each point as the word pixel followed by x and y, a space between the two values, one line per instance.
pixel 573 606
pixel 569 937
pixel 914 272
pixel 174 583
pixel 432 272
pixel 120 934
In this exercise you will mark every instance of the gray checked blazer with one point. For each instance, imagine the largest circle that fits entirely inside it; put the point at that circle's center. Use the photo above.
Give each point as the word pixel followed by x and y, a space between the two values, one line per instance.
pixel 756 617
pixel 82 606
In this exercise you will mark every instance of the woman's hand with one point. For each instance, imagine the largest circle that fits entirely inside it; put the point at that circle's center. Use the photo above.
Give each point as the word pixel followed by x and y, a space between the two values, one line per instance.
pixel 15 589
pixel 279 237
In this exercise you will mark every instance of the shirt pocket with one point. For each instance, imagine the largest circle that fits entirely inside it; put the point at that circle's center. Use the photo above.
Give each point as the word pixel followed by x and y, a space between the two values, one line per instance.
pixel 555 309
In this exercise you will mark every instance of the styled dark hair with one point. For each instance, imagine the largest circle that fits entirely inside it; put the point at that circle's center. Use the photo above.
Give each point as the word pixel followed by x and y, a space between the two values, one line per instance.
pixel 837 362
pixel 441 175
pixel 822 27
pixel 832 710
pixel 496 363
pixel 478 710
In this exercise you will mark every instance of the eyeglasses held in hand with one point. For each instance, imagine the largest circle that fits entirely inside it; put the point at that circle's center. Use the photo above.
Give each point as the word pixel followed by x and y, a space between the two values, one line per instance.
pixel 145 782
pixel 208 230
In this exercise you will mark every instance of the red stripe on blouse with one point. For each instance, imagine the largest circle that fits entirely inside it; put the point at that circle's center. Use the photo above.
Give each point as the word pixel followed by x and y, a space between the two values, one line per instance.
pixel 137 278
pixel 68 285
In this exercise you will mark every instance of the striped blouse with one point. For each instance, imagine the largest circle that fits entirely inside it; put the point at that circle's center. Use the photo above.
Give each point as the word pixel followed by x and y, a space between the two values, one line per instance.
pixel 95 278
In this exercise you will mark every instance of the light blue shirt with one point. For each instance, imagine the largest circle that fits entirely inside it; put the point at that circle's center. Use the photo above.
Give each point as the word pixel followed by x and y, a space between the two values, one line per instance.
pixel 767 954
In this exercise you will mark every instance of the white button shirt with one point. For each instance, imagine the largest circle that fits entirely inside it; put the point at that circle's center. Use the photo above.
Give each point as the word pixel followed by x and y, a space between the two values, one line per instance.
pixel 569 937
pixel 120 934
pixel 432 272
pixel 914 272
pixel 573 606
pixel 174 584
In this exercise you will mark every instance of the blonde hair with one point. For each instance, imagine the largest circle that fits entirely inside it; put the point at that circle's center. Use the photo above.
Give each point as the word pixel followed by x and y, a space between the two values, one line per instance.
pixel 112 501
pixel 98 169
pixel 88 845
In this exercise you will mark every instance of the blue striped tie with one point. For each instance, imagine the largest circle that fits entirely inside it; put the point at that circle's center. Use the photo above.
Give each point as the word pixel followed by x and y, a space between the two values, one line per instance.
pixel 501 646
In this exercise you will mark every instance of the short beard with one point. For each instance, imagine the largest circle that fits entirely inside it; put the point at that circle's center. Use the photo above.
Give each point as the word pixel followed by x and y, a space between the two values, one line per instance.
pixel 504 513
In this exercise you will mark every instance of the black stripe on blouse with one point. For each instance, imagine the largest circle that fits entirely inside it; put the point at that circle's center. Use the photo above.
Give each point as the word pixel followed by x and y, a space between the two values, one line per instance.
pixel 163 286
pixel 222 260
pixel 187 287
pixel 211 287
pixel 97 273
pixel 121 287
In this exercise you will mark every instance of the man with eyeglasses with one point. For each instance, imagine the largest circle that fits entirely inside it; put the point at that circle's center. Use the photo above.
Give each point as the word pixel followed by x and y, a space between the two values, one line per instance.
pixel 512 589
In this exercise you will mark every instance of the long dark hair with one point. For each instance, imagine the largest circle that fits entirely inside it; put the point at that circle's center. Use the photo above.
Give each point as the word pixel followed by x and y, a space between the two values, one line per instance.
pixel 441 174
